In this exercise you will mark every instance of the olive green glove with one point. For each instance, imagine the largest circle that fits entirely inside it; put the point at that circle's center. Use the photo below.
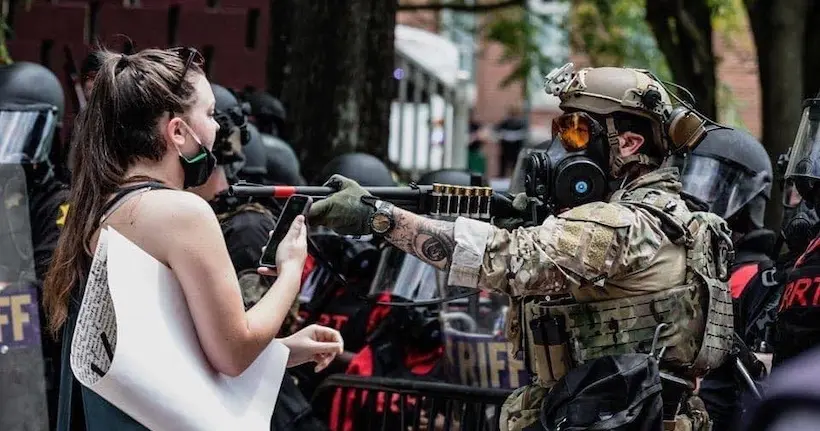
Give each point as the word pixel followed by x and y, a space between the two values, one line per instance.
pixel 343 211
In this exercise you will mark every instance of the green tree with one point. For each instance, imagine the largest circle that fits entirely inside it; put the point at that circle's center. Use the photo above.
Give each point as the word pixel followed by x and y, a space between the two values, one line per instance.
pixel 5 58
pixel 785 34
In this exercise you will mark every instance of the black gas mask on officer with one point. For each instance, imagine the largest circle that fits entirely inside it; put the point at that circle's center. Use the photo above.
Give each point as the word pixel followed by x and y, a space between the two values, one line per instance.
pixel 572 171
pixel 800 223
pixel 803 169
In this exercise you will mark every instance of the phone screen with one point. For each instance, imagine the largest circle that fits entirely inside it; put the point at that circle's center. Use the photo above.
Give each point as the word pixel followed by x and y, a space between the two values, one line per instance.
pixel 296 205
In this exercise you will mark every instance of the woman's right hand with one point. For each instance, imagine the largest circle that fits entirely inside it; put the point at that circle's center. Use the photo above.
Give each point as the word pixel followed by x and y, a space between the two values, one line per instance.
pixel 292 251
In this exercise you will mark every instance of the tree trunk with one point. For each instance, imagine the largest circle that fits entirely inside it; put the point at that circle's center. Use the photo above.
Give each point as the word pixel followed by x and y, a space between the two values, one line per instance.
pixel 779 31
pixel 811 61
pixel 684 36
pixel 332 68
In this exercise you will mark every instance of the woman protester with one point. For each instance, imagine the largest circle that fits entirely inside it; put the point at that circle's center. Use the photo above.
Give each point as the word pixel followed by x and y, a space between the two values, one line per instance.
pixel 145 135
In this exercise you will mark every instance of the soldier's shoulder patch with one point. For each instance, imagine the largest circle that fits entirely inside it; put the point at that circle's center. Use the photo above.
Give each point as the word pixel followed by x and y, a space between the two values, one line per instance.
pixel 603 213
pixel 62 214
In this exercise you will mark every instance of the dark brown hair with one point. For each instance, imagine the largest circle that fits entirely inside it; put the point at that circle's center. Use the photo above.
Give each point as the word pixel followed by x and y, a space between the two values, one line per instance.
pixel 117 127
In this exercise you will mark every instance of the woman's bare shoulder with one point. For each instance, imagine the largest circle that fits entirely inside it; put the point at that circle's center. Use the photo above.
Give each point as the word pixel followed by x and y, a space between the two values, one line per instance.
pixel 166 214
pixel 176 206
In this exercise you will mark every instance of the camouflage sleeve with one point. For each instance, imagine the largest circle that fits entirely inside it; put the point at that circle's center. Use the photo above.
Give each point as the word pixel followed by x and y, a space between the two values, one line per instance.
pixel 589 244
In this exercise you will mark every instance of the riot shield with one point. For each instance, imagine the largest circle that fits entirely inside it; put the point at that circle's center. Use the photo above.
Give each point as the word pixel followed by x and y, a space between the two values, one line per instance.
pixel 22 371
pixel 473 327
pixel 477 350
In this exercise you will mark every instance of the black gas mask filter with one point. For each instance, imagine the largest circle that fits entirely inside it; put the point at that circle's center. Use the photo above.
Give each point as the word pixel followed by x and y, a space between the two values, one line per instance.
pixel 800 225
pixel 572 171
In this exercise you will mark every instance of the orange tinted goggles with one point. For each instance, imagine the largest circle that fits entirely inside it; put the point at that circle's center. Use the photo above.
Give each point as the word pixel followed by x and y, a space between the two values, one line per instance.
pixel 575 130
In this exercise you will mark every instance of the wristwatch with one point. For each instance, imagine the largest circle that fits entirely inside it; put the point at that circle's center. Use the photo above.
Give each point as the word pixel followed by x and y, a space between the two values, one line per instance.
pixel 382 221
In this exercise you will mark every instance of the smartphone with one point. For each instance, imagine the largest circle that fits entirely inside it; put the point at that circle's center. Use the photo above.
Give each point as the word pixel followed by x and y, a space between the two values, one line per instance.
pixel 296 205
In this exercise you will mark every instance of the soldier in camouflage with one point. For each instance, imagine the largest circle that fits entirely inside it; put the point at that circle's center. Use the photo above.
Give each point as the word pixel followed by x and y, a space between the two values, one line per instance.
pixel 605 274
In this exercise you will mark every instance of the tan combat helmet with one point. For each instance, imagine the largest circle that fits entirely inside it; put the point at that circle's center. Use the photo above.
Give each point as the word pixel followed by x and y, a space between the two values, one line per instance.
pixel 607 90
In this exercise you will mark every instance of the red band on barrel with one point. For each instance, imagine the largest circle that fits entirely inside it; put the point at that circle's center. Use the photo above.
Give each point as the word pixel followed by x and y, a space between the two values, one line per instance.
pixel 284 191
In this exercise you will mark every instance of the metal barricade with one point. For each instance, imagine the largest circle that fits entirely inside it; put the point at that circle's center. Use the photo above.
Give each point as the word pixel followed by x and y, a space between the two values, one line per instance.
pixel 429 120
pixel 378 403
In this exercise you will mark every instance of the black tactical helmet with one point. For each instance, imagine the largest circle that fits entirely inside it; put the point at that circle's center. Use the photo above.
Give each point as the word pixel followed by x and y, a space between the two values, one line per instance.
pixel 455 177
pixel 25 83
pixel 269 161
pixel 230 114
pixel 730 171
pixel 232 133
pixel 365 169
pixel 31 104
pixel 268 112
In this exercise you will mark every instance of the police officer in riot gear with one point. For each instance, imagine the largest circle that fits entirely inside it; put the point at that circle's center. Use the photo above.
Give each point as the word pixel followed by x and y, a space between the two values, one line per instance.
pixel 269 161
pixel 31 108
pixel 640 252
pixel 800 223
pixel 730 172
pixel 797 329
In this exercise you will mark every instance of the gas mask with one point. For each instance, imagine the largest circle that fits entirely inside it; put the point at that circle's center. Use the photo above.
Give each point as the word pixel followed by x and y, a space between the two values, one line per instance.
pixel 800 225
pixel 233 124
pixel 573 170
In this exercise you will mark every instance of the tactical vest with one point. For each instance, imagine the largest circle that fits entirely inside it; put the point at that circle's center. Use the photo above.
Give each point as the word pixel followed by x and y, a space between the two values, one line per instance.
pixel 697 316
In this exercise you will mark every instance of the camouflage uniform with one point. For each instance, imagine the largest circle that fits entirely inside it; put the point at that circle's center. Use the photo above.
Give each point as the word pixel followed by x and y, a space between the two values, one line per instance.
pixel 623 274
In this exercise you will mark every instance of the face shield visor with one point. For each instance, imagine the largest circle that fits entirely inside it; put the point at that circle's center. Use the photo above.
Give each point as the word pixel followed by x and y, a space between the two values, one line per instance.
pixel 726 187
pixel 26 133
pixel 804 158
pixel 407 277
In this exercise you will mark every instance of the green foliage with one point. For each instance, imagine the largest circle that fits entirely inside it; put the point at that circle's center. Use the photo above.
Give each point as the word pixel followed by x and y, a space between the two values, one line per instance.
pixel 5 58
pixel 518 32
pixel 615 33
pixel 728 16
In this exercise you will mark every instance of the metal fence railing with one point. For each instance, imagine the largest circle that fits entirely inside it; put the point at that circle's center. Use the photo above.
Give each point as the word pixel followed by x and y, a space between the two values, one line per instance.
pixel 378 403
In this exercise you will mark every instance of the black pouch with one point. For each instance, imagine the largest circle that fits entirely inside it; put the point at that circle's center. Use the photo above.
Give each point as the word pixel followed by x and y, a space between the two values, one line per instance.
pixel 613 393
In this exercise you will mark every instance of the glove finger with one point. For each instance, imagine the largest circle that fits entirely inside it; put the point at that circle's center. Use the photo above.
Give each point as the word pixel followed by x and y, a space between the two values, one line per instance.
pixel 520 202
pixel 338 182
pixel 319 211
pixel 332 182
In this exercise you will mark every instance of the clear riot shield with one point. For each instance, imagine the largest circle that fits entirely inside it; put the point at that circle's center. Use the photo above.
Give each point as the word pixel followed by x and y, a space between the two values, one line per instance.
pixel 476 346
pixel 473 328
pixel 22 372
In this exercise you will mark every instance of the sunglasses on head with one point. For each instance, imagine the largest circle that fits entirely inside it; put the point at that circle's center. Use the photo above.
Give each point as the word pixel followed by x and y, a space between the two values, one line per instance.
pixel 189 56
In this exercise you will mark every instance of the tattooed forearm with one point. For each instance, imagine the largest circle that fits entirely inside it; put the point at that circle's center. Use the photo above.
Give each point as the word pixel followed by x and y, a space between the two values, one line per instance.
pixel 429 240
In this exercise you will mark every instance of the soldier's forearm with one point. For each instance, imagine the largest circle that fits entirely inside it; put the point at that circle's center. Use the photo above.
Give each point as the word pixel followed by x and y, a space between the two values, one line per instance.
pixel 430 240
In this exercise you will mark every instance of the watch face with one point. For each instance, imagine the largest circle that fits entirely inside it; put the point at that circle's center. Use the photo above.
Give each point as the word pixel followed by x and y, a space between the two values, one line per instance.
pixel 381 223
